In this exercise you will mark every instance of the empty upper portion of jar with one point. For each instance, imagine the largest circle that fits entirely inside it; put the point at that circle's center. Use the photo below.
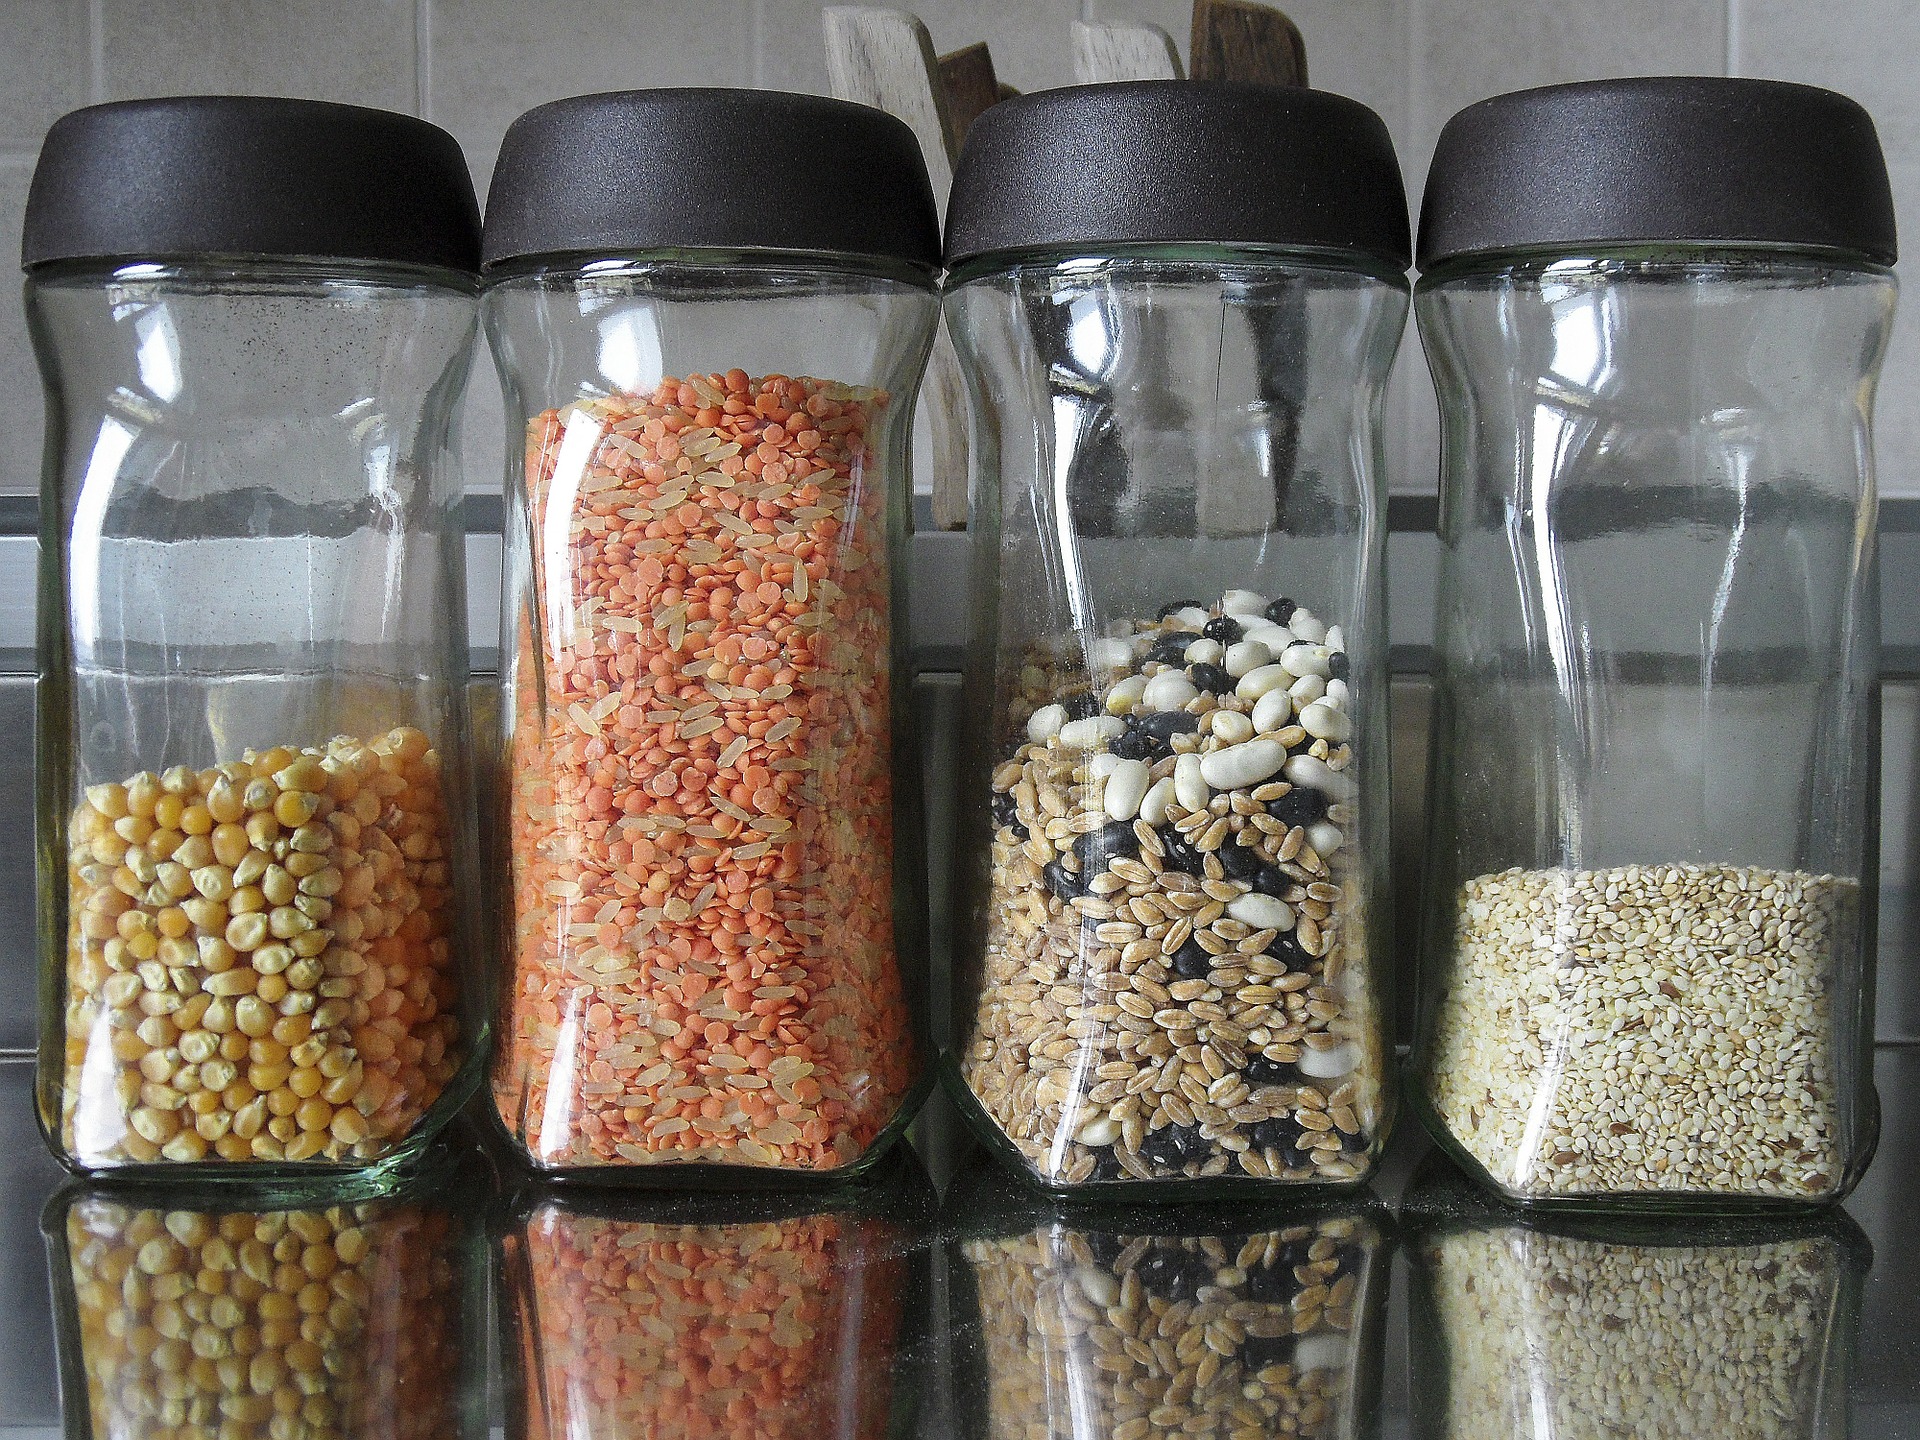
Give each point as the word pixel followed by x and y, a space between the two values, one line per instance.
pixel 1658 160
pixel 245 177
pixel 1093 167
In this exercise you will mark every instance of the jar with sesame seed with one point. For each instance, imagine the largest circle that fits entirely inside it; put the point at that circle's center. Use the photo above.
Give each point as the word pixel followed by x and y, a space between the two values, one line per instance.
pixel 254 318
pixel 1647 948
pixel 1171 969
pixel 709 332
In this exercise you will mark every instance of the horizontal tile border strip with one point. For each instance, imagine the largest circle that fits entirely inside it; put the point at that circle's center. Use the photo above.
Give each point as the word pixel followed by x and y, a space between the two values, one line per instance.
pixel 484 514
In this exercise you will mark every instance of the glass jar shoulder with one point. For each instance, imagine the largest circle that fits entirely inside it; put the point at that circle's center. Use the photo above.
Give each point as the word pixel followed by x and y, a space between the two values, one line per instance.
pixel 1766 266
pixel 1176 264
pixel 245 276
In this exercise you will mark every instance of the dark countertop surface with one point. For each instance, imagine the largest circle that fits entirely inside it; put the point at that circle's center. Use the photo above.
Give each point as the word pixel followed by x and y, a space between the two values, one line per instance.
pixel 878 1309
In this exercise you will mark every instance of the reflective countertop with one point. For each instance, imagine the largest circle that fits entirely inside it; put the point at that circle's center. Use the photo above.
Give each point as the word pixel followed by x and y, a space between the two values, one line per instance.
pixel 940 1298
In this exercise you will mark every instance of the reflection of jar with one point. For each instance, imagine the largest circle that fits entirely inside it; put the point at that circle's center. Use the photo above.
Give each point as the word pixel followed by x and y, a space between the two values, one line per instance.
pixel 1135 1321
pixel 180 1321
pixel 253 317
pixel 1177 305
pixel 711 353
pixel 1613 1328
pixel 700 1317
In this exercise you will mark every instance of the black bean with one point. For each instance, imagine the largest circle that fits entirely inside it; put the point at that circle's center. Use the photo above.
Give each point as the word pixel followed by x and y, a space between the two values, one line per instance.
pixel 1171 647
pixel 1223 628
pixel 1210 678
pixel 1269 881
pixel 1061 881
pixel 1174 1274
pixel 1282 1133
pixel 1178 854
pixel 1163 725
pixel 1173 605
pixel 1110 842
pixel 1257 1352
pixel 1134 746
pixel 1105 1245
pixel 1192 961
pixel 1081 706
pixel 1338 666
pixel 1287 951
pixel 1106 1166
pixel 1171 1146
pixel 1261 1071
pixel 1241 862
pixel 1302 805
pixel 1005 812
pixel 1281 610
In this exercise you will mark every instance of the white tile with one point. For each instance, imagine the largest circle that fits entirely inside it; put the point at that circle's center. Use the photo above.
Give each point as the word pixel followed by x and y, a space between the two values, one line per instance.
pixel 1030 39
pixel 360 53
pixel 492 60
pixel 46 67
pixel 21 406
pixel 1866 49
pixel 481 427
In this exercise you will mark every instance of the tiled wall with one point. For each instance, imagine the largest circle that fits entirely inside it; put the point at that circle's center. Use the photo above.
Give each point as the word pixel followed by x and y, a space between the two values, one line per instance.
pixel 472 65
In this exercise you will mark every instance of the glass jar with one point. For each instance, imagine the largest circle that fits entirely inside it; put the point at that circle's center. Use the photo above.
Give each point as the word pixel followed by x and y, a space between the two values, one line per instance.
pixel 716 907
pixel 1077 1321
pixel 1174 797
pixel 1627 1326
pixel 798 1316
pixel 201 1311
pixel 1647 974
pixel 254 320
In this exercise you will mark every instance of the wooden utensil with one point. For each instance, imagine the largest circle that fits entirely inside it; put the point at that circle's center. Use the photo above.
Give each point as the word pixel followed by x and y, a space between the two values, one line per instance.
pixel 1103 53
pixel 1247 42
pixel 885 58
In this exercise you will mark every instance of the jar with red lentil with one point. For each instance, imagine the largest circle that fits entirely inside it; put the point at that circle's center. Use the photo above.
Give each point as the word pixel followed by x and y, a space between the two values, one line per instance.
pixel 1177 304
pixel 255 319
pixel 709 309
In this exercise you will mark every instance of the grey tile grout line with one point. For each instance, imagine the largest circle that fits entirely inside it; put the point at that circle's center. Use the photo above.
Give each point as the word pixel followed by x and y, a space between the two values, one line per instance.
pixel 97 50
pixel 423 59
pixel 758 68
pixel 1734 37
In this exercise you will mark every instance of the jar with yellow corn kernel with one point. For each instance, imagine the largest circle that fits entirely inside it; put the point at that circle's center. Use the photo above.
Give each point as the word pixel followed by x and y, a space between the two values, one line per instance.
pixel 255 818
pixel 196 1316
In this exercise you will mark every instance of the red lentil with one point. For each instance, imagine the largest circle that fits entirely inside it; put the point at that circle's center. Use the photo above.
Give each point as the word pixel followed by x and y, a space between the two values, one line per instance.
pixel 704 1332
pixel 701 800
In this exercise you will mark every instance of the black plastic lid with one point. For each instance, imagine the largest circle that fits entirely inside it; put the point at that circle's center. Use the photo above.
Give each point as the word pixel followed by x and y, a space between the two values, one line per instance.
pixel 1663 158
pixel 710 169
pixel 1178 161
pixel 241 175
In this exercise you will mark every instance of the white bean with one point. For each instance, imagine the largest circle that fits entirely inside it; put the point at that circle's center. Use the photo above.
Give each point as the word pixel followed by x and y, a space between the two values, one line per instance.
pixel 1102 765
pixel 1256 683
pixel 1272 711
pixel 1326 1351
pixel 1085 734
pixel 1243 602
pixel 1305 659
pixel 1100 1131
pixel 1045 723
pixel 1306 689
pixel 1323 722
pixel 1126 788
pixel 1337 693
pixel 1335 638
pixel 1203 652
pixel 1189 784
pixel 1109 655
pixel 1324 838
pixel 1230 727
pixel 1192 615
pixel 1316 774
pixel 1153 806
pixel 1275 637
pixel 1263 912
pixel 1306 626
pixel 1123 697
pixel 1169 690
pixel 1245 656
pixel 1326 1064
pixel 1238 766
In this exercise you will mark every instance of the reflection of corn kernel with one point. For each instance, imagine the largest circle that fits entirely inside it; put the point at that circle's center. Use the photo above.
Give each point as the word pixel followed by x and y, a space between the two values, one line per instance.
pixel 320 1325
pixel 243 912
